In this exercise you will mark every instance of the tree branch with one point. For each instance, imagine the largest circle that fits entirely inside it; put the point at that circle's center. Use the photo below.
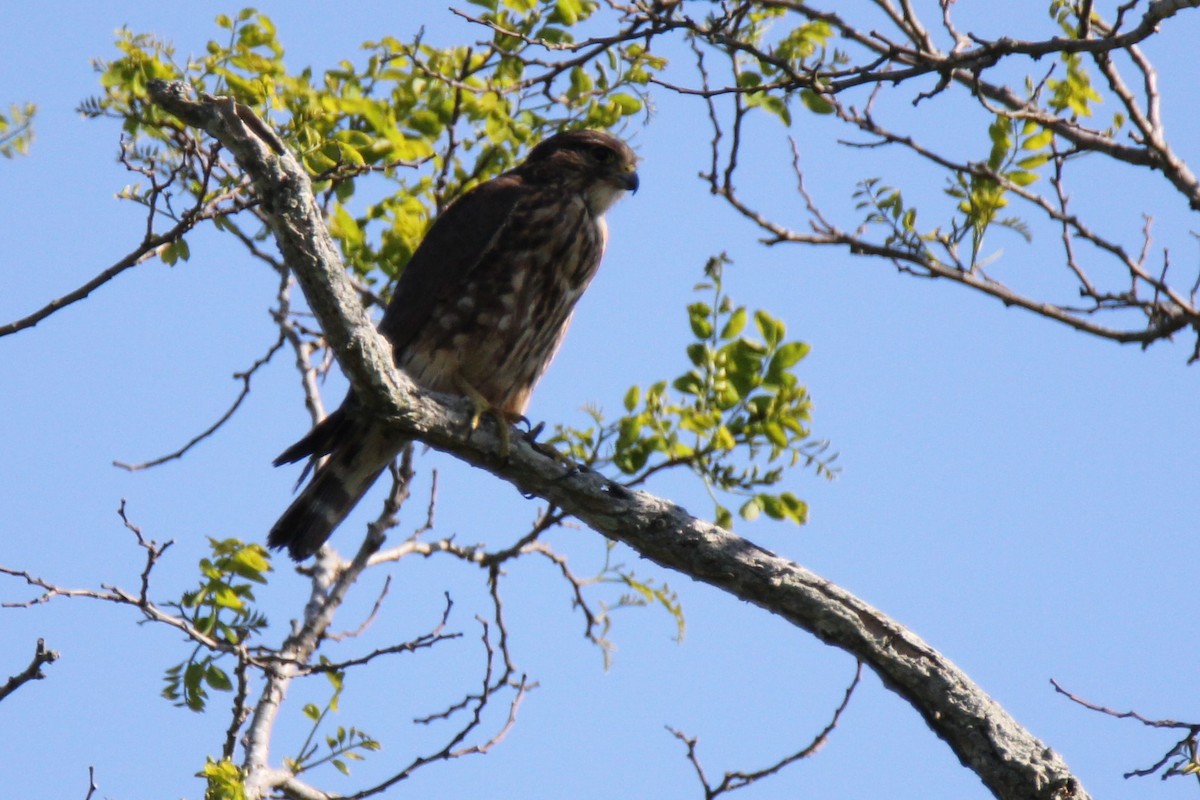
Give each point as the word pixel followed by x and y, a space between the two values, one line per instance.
pixel 244 377
pixel 1007 758
pixel 41 657
pixel 739 780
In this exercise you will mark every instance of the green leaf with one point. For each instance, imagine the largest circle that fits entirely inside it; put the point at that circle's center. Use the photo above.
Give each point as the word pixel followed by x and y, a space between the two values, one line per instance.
pixel 1021 178
pixel 226 597
pixel 345 227
pixel 771 103
pixel 250 562
pixel 698 316
pixel 627 103
pixel 772 330
pixel 16 129
pixel 568 12
pixel 177 250
pixel 744 359
pixel 318 162
pixel 785 358
pixel 690 383
pixel 815 102
pixel 723 440
pixel 1038 141
pixel 581 83
pixel 724 518
pixel 223 779
pixel 749 79
pixel 215 677
pixel 735 324
pixel 356 139
pixel 632 397
pixel 771 506
pixel 750 510
pixel 775 434
pixel 794 508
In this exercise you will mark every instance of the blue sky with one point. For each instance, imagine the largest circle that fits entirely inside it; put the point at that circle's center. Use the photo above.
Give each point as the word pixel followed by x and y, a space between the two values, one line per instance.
pixel 1023 497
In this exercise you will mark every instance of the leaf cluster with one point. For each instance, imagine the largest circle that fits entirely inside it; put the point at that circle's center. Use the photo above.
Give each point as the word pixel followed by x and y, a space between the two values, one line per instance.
pixel 428 122
pixel 772 59
pixel 738 417
pixel 1017 150
pixel 219 609
pixel 16 129
pixel 342 745
pixel 223 780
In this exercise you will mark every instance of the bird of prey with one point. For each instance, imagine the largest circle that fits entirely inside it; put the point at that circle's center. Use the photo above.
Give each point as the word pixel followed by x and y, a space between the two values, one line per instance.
pixel 480 310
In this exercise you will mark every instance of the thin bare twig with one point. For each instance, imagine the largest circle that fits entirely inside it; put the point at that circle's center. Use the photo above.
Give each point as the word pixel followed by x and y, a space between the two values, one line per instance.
pixel 244 377
pixel 41 657
pixel 1185 752
pixel 732 781
pixel 476 703
pixel 205 208
pixel 239 711
pixel 422 642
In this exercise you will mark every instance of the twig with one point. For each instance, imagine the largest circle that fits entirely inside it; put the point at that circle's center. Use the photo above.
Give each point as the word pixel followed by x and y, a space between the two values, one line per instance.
pixel 1186 749
pixel 366 623
pixel 144 252
pixel 240 711
pixel 738 780
pixel 244 377
pixel 477 703
pixel 420 643
pixel 205 208
pixel 153 551
pixel 41 657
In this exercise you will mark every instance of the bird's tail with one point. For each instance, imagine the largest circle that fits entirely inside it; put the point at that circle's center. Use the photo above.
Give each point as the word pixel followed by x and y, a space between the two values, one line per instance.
pixel 354 464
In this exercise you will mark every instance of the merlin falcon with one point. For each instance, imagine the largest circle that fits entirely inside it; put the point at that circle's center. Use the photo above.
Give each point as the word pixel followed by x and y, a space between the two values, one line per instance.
pixel 480 310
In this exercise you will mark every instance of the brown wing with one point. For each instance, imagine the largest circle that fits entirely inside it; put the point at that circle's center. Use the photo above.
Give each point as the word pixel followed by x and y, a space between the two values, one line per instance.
pixel 453 247
pixel 451 250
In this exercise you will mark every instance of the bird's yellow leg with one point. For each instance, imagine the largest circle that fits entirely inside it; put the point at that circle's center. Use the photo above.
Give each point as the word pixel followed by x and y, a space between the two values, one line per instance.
pixel 481 406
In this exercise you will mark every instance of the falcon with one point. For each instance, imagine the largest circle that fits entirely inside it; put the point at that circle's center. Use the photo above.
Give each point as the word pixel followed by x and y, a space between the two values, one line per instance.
pixel 479 311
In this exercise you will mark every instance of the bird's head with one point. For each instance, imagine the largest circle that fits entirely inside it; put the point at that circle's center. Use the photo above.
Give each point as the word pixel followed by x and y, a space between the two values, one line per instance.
pixel 600 166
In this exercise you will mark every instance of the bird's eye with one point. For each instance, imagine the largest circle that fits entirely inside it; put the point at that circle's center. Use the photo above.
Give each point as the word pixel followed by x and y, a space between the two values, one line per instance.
pixel 603 155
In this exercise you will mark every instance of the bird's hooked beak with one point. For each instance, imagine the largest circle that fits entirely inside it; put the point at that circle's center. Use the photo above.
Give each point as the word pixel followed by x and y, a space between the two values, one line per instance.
pixel 629 181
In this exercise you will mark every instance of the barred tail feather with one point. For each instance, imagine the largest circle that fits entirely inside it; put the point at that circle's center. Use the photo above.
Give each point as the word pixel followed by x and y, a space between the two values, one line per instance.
pixel 322 439
pixel 336 487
